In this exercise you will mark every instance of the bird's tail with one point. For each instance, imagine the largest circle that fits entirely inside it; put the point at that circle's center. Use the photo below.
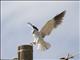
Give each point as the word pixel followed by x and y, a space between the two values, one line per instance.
pixel 42 45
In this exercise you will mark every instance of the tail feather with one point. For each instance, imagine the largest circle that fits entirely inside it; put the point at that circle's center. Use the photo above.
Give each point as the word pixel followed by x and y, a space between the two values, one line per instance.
pixel 42 45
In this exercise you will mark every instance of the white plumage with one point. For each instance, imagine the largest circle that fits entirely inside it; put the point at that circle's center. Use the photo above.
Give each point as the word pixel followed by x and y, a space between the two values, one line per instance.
pixel 39 41
pixel 46 30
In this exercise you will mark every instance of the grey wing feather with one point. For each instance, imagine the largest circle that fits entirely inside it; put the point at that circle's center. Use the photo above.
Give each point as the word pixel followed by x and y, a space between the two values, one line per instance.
pixel 58 18
pixel 53 23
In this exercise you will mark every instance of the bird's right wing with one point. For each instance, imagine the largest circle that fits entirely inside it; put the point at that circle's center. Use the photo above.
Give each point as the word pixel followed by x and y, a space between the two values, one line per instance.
pixel 51 24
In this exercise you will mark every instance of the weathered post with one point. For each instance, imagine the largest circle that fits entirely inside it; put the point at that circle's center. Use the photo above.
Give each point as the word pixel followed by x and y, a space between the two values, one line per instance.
pixel 25 52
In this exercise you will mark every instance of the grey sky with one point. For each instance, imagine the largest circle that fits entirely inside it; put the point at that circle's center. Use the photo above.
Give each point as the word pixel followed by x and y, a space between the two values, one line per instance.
pixel 15 31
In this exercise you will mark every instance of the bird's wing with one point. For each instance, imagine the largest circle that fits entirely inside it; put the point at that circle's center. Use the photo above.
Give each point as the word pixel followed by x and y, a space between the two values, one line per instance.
pixel 53 23
pixel 62 58
pixel 71 57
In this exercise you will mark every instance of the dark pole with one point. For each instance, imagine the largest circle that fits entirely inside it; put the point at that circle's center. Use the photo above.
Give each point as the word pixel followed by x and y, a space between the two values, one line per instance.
pixel 25 52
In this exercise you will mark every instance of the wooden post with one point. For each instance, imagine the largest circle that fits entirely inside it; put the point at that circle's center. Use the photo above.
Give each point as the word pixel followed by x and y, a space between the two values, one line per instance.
pixel 25 52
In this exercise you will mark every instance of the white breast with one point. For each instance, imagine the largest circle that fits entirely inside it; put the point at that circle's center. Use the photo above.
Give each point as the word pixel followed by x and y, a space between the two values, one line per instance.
pixel 36 36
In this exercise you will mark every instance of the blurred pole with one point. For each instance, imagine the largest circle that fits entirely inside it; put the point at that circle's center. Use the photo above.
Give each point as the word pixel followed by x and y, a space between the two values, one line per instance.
pixel 25 52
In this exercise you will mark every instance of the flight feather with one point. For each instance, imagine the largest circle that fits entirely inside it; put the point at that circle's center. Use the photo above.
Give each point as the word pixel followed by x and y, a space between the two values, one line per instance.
pixel 51 24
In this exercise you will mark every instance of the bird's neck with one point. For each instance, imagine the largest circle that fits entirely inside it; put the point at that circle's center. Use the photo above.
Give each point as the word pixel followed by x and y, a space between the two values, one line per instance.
pixel 35 31
pixel 36 34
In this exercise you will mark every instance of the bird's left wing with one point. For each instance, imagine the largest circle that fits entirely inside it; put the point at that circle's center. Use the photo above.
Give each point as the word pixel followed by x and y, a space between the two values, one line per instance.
pixel 53 23
pixel 62 58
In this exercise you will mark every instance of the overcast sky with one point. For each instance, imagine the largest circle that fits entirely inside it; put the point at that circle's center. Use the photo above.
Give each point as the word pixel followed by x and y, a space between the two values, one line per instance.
pixel 15 31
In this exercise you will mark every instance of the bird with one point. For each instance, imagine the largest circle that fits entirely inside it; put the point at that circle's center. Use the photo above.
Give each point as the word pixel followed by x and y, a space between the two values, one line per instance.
pixel 67 58
pixel 46 30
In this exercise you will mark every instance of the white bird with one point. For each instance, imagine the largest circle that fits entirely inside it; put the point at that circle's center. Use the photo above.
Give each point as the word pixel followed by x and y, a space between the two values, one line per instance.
pixel 46 30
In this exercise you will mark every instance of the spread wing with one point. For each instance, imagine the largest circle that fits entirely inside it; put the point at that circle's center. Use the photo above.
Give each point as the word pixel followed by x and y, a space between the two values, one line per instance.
pixel 62 58
pixel 53 23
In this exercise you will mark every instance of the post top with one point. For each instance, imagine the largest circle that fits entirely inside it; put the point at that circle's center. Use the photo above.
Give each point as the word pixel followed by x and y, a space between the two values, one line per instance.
pixel 25 47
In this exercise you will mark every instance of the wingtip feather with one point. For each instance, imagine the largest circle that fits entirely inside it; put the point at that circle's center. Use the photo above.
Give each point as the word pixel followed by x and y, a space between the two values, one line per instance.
pixel 60 16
